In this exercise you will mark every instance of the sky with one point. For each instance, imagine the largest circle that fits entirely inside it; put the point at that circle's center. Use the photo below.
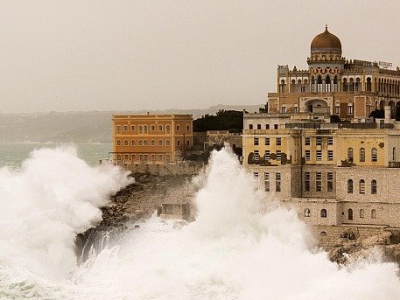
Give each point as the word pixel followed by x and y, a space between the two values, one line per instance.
pixel 84 55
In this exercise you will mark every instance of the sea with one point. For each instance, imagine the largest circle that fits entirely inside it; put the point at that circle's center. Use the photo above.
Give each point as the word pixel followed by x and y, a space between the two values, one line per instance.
pixel 242 245
pixel 13 154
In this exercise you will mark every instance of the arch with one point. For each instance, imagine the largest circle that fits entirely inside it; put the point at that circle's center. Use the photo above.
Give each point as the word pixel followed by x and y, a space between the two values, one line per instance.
pixel 160 142
pixel 167 143
pixel 374 155
pixel 361 213
pixel 307 213
pixel 394 153
pixel 126 143
pixel 362 154
pixel 369 86
pixel 178 127
pixel 323 233
pixel 132 142
pixel 357 85
pixel 373 214
pixel 118 142
pixel 168 128
pixel 250 126
pixel 152 142
pixel 350 186
pixel 160 128
pixel 324 213
pixel 319 84
pixel 335 84
pixel 345 85
pixel 328 84
pixel 311 105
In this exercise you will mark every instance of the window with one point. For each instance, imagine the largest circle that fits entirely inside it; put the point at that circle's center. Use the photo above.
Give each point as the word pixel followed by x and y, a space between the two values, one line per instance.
pixel 319 155
pixel 307 141
pixel 307 178
pixel 153 127
pixel 362 186
pixel 394 154
pixel 255 141
pixel 188 142
pixel 168 158
pixel 373 214
pixel 350 186
pixel 160 142
pixel 258 126
pixel 307 155
pixel 307 213
pixel 125 127
pixel 277 182
pixel 168 129
pixel 374 187
pixel 330 155
pixel 160 157
pixel 329 187
pixel 266 126
pixel 153 142
pixel 126 156
pixel 160 128
pixel 362 155
pixel 318 182
pixel 133 142
pixel 126 143
pixel 337 110
pixel 118 142
pixel 266 182
pixel 118 129
pixel 350 155
pixel 145 143
pixel 324 213
pixel 256 155
pixel 140 142
pixel 330 141
pixel 278 141
pixel 374 154
pixel 132 127
pixel 275 126
pixel 178 142
pixel 350 214
pixel 140 129
pixel 187 128
pixel 153 157
pixel 267 155
pixel 144 128
pixel 266 141
pixel 178 127
pixel 361 213
pixel 119 157
pixel 250 126
pixel 283 109
pixel 168 143
pixel 133 156
pixel 350 109
pixel 278 155
pixel 318 141
pixel 255 180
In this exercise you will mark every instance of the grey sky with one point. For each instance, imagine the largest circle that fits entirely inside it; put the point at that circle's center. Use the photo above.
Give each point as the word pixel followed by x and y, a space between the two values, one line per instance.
pixel 127 55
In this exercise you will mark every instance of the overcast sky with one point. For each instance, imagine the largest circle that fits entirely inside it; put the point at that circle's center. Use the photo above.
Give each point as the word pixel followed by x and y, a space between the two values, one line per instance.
pixel 79 55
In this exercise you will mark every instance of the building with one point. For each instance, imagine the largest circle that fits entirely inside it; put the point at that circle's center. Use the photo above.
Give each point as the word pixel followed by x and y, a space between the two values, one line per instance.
pixel 346 88
pixel 319 151
pixel 151 139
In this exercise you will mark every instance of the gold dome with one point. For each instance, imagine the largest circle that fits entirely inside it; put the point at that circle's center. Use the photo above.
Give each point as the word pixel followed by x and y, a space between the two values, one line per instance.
pixel 326 41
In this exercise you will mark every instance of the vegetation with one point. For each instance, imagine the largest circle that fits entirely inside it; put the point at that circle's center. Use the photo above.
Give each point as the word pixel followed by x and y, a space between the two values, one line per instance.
pixel 231 120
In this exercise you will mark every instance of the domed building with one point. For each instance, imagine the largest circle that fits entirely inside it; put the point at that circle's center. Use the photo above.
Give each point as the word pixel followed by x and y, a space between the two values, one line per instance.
pixel 336 86
pixel 329 145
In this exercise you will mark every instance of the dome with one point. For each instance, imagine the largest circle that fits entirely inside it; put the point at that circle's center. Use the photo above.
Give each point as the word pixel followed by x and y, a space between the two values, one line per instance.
pixel 326 42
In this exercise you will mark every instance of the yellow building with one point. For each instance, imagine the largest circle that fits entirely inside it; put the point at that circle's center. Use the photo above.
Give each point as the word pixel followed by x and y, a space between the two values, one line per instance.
pixel 151 139
pixel 318 150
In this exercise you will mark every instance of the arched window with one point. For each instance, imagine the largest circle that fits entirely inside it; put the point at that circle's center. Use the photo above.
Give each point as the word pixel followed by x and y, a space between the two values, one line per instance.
pixel 361 213
pixel 140 129
pixel 350 186
pixel 319 84
pixel 266 126
pixel 394 154
pixel 187 128
pixel 188 142
pixel 118 129
pixel 374 187
pixel 324 213
pixel 178 142
pixel 362 186
pixel 153 142
pixel 144 142
pixel 307 212
pixel 119 157
pixel 126 142
pixel 160 128
pixel 125 127
pixel 368 84
pixel 133 142
pixel 350 155
pixel 374 154
pixel 140 142
pixel 178 127
pixel 144 128
pixel 250 126
pixel 118 142
pixel 362 155
pixel 258 126
pixel 132 127
pixel 160 143
pixel 350 214
pixel 168 129
pixel 168 143
pixel 168 158
pixel 153 127
pixel 373 214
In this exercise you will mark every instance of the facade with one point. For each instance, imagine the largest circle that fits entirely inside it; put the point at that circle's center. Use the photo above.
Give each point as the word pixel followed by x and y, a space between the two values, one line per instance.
pixel 151 139
pixel 319 151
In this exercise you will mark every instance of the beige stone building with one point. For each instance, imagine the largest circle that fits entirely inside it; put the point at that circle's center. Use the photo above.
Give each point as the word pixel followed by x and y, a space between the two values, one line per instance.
pixel 337 172
pixel 151 139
